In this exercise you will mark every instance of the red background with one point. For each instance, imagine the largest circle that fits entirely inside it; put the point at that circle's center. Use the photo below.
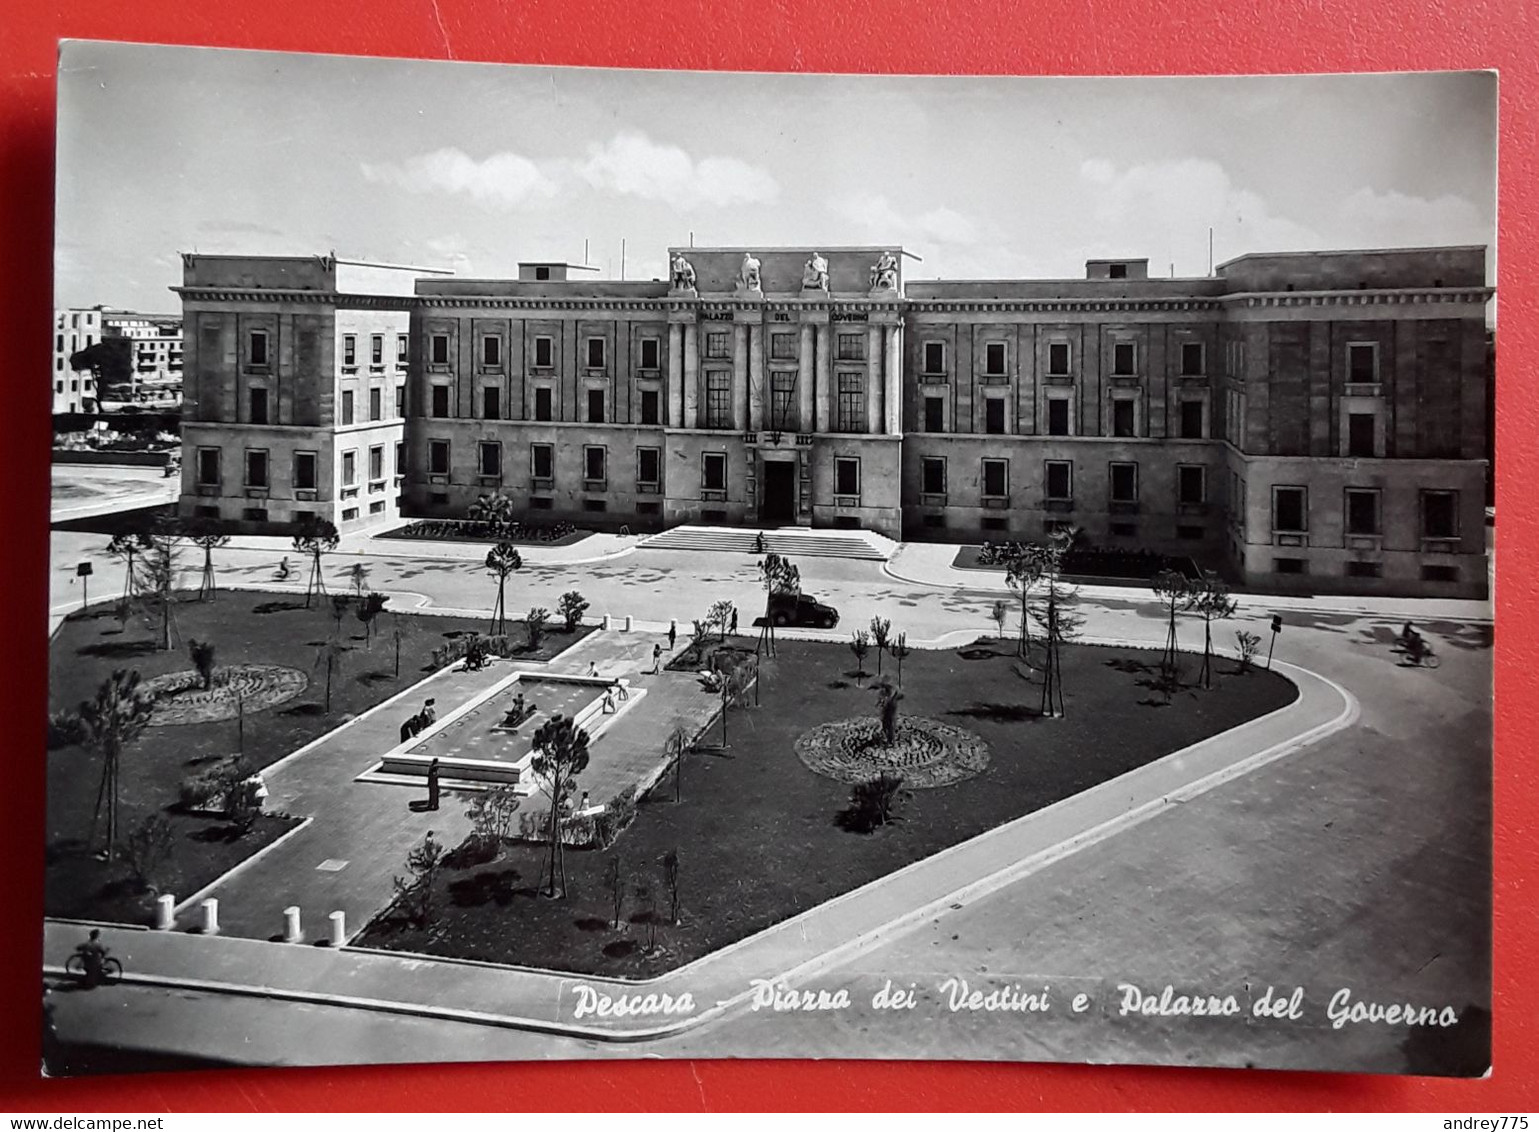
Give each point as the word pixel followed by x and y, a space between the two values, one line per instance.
pixel 902 36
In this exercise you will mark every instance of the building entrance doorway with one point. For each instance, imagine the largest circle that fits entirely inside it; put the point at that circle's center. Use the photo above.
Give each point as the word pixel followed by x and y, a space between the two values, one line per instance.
pixel 777 500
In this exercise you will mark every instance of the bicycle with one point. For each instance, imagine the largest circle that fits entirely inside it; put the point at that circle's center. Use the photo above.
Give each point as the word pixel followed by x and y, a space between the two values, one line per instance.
pixel 1427 659
pixel 111 972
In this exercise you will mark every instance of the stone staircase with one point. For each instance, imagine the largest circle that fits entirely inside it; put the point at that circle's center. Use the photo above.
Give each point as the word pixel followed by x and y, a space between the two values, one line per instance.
pixel 794 542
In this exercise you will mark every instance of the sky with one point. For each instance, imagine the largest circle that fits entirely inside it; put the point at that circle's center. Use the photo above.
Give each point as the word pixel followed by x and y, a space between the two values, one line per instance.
pixel 474 167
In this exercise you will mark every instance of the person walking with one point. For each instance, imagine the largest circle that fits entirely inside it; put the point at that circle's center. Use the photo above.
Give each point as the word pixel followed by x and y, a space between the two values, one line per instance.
pixel 657 659
pixel 673 635
pixel 428 715
pixel 733 627
pixel 409 729
pixel 432 784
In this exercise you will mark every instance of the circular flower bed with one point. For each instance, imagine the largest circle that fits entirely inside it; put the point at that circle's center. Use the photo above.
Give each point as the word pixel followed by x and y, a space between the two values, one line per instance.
pixel 925 752
pixel 181 698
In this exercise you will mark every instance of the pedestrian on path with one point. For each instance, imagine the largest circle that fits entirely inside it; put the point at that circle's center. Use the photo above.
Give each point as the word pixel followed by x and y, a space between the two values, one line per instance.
pixel 428 715
pixel 433 785
pixel 592 668
pixel 733 627
pixel 657 659
pixel 409 729
pixel 673 635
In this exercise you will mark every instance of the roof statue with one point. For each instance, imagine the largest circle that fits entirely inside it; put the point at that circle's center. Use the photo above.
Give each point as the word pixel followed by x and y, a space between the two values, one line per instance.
pixel 815 274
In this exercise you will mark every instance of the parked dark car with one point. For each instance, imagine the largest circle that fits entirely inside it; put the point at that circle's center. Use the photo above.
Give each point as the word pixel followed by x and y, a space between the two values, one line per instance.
pixel 803 610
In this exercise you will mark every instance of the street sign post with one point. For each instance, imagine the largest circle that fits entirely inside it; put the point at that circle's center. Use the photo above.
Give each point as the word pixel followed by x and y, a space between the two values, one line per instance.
pixel 83 572
pixel 1276 628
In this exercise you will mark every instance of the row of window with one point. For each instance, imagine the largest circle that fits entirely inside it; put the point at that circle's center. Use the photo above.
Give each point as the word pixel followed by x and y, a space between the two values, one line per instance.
pixel 595 351
pixel 376 351
pixel 1058 480
pixel 1439 512
pixel 304 470
pixel 1191 416
pixel 1060 359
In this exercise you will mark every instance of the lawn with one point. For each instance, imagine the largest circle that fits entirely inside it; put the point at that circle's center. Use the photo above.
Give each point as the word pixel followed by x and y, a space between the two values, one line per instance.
pixel 758 834
pixel 245 627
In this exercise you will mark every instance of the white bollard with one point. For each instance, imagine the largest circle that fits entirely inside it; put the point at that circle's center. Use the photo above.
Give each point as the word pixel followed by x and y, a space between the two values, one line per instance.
pixel 339 929
pixel 608 622
pixel 210 916
pixel 165 912
pixel 292 932
pixel 630 622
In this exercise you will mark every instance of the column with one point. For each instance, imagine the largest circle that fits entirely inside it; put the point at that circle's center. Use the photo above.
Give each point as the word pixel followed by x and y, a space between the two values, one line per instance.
pixel 894 374
pixel 675 376
pixel 825 421
pixel 691 376
pixel 740 377
pixel 875 404
pixel 804 402
pixel 755 377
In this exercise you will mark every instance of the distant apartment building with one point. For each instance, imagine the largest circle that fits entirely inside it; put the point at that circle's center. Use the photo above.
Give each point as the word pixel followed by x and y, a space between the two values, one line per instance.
pixel 294 387
pixel 74 329
pixel 154 352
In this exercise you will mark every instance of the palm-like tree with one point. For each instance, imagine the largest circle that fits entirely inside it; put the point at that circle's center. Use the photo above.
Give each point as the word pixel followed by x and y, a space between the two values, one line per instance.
pixel 502 560
pixel 496 509
pixel 316 538
pixel 128 547
pixel 109 724
pixel 560 755
pixel 1023 572
pixel 208 539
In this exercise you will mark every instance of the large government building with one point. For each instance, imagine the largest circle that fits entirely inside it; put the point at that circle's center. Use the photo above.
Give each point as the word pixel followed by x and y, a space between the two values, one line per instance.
pixel 1305 421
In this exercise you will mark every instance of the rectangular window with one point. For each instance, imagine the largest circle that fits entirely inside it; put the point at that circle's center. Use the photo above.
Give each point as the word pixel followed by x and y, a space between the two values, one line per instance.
pixel 490 458
pixel 542 461
pixel 1440 573
pixel 852 347
pixel 491 351
pixel 258 406
pixel 1440 514
pixel 1191 420
pixel 1059 476
pixel 852 401
pixel 377 462
pixel 347 406
pixel 716 344
pixel 402 351
pixel 400 457
pixel 593 463
pixel 1289 566
pixel 782 346
pixel 491 402
pixel 994 415
pixel 649 462
pixel 1191 483
pixel 649 406
pixel 996 479
pixel 718 399
pixel 932 475
pixel 1360 434
pixel 208 467
pixel 935 357
pixel 1192 359
pixel 349 468
pixel 440 349
pixel 1290 509
pixel 782 398
pixel 304 471
pixel 595 353
pixel 1124 483
pixel 440 401
pixel 1362 363
pixel 1058 416
pixel 544 351
pixel 1124 359
pixel 935 414
pixel 256 467
pixel 1123 412
pixel 596 404
pixel 846 476
pixel 1362 511
pixel 376 404
pixel 376 349
pixel 258 347
pixel 542 404
pixel 994 358
pixel 400 400
pixel 1365 569
pixel 651 353
pixel 438 457
pixel 350 351
pixel 713 471
pixel 1058 359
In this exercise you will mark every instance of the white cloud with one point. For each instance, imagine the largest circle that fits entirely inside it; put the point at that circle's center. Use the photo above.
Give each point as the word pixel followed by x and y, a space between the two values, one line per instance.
pixel 881 220
pixel 505 179
pixel 632 164
pixel 1370 219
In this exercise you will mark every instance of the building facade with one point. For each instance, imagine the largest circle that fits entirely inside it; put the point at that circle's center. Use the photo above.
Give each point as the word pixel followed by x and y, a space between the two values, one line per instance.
pixel 1310 421
pixel 74 329
pixel 155 355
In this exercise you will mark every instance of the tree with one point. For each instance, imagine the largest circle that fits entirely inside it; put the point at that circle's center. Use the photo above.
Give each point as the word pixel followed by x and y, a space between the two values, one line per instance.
pixel 648 915
pixel 614 880
pixel 1173 591
pixel 158 569
pixel 720 615
pixel 887 697
pixel 492 814
pixel 881 629
pixel 1055 615
pixel 1023 573
pixel 316 539
pixel 1210 600
pixel 340 604
pixel 501 561
pixel 699 636
pixel 399 631
pixel 496 509
pixel 1250 645
pixel 872 803
pixel 202 656
pixel 860 645
pixel 111 362
pixel 999 612
pixel 358 578
pixel 208 539
pixel 127 548
pixel 899 649
pixel 534 625
pixel 671 879
pixel 781 579
pixel 331 654
pixel 109 724
pixel 417 896
pixel 560 755
pixel 572 605
pixel 147 847
pixel 370 606
pixel 676 746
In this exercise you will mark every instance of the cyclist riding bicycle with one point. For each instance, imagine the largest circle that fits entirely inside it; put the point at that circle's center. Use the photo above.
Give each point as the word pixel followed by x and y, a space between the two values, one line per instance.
pixel 283 569
pixel 93 956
